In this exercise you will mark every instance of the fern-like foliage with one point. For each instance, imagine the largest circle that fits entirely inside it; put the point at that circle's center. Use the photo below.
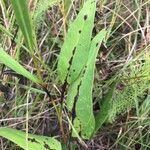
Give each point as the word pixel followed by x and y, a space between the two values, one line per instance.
pixel 138 81
pixel 41 7
pixel 126 99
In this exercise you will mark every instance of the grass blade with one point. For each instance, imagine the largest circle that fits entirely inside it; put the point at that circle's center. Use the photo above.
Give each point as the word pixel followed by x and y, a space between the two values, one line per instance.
pixel 14 65
pixel 23 18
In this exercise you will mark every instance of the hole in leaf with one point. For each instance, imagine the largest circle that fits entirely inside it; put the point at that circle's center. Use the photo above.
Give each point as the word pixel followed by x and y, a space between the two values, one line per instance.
pixel 46 146
pixel 33 140
pixel 85 17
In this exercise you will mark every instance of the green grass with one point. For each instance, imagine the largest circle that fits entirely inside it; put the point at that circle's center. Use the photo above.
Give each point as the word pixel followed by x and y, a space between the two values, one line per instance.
pixel 50 85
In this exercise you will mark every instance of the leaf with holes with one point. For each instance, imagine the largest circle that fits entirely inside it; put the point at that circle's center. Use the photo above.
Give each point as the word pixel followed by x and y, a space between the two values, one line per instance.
pixel 33 142
pixel 75 50
pixel 79 99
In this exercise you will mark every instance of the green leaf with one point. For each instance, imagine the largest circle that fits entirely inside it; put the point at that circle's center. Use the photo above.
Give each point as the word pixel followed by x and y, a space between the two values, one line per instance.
pixel 135 89
pixel 75 50
pixel 34 142
pixel 145 107
pixel 23 18
pixel 80 92
pixel 106 106
pixel 14 65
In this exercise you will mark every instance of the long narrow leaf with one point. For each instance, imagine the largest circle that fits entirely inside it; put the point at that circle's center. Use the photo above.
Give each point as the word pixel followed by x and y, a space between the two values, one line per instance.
pixel 75 50
pixel 23 18
pixel 14 65
pixel 80 92
pixel 34 142
pixel 106 106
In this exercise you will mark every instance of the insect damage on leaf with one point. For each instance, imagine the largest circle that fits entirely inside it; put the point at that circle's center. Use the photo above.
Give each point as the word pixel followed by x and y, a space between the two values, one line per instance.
pixel 75 101
pixel 80 92
pixel 70 61
pixel 79 35
pixel 47 146
pixel 65 82
pixel 85 17
pixel 33 140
